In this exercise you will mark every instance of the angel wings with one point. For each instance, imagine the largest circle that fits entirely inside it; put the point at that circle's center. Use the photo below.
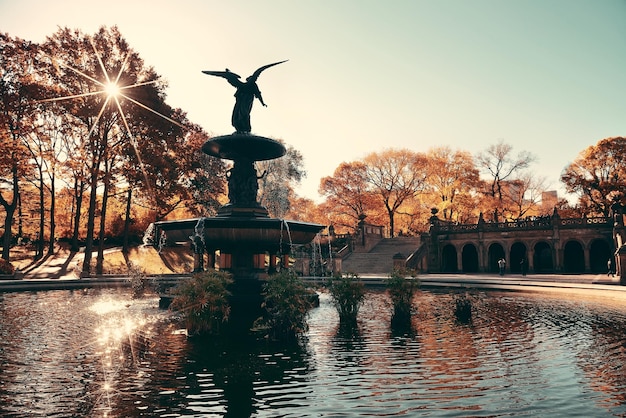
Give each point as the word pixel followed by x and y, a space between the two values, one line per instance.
pixel 244 96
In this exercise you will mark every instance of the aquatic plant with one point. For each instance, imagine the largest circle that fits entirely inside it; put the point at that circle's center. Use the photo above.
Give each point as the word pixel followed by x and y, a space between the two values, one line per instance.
pixel 139 282
pixel 347 293
pixel 203 301
pixel 401 290
pixel 463 308
pixel 286 306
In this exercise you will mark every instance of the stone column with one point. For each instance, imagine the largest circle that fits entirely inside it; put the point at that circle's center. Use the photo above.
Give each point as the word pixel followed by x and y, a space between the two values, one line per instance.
pixel 286 261
pixel 210 259
pixel 272 267
pixel 226 261
pixel 531 259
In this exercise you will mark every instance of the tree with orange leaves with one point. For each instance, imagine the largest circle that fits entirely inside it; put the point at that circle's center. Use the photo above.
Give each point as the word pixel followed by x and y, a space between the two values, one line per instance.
pixel 16 87
pixel 452 179
pixel 598 176
pixel 394 177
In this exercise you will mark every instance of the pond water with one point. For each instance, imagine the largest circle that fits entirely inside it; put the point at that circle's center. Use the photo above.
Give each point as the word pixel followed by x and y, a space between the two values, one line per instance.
pixel 97 353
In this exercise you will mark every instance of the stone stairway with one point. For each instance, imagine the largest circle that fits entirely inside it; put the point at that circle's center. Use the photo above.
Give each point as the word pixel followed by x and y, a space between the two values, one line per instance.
pixel 379 260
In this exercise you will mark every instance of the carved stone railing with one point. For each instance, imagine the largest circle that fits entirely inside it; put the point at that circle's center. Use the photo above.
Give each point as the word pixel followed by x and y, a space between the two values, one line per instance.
pixel 586 222
pixel 526 224
pixel 414 260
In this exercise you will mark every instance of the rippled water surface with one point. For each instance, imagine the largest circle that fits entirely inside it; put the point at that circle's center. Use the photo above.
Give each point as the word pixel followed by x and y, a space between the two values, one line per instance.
pixel 97 353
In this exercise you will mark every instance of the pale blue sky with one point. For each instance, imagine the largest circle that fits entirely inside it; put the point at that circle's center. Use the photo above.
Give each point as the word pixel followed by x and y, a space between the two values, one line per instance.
pixel 547 76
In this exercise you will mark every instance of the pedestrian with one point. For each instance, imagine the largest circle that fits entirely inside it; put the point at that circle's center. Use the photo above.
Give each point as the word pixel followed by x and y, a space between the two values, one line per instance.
pixel 501 265
pixel 523 266
pixel 609 265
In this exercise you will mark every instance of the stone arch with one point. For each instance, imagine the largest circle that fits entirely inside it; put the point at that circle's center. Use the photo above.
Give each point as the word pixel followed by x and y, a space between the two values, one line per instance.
pixel 469 258
pixel 496 252
pixel 517 257
pixel 599 254
pixel 542 261
pixel 573 257
pixel 448 259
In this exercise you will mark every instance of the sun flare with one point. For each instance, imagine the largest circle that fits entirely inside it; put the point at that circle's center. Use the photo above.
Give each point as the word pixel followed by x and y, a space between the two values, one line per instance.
pixel 112 89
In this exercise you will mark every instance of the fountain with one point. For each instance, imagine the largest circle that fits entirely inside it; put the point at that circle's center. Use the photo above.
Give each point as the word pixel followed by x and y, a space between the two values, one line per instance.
pixel 242 233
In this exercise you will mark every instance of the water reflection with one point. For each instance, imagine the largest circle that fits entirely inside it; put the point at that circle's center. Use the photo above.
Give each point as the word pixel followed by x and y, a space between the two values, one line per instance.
pixel 244 377
pixel 98 353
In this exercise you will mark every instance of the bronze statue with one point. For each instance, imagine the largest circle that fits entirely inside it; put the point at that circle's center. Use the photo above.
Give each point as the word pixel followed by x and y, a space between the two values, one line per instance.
pixel 244 96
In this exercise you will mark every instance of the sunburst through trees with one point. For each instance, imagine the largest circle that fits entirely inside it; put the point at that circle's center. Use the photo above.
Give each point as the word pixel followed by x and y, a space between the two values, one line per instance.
pixel 118 108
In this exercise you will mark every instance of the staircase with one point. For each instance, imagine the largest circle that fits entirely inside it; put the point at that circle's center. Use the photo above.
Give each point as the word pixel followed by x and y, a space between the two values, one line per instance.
pixel 379 260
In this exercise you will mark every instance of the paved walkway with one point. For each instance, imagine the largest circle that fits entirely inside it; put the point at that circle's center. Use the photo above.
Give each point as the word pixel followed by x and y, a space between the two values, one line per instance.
pixel 573 283
pixel 553 282
pixel 61 273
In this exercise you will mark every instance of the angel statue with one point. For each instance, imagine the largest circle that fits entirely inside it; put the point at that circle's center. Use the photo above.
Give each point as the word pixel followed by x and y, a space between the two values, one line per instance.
pixel 244 96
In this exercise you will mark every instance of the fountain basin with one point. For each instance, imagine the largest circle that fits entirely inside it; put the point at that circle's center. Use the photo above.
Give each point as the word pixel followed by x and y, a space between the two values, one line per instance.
pixel 229 233
pixel 244 146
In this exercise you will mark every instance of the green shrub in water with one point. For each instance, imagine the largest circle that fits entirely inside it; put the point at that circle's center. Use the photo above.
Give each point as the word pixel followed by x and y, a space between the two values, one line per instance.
pixel 286 303
pixel 139 283
pixel 347 293
pixel 463 308
pixel 203 301
pixel 401 290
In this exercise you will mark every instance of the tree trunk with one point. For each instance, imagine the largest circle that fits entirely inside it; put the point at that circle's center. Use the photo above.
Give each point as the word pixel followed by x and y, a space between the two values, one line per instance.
pixel 391 223
pixel 8 221
pixel 125 246
pixel 103 211
pixel 52 214
pixel 79 188
pixel 20 217
pixel 9 209
pixel 42 218
pixel 91 219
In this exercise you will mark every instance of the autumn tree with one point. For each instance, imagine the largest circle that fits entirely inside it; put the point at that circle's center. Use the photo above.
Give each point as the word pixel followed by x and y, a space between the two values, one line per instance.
pixel 16 98
pixel 104 81
pixel 394 176
pixel 347 195
pixel 278 179
pixel 207 176
pixel 172 173
pixel 502 166
pixel 452 181
pixel 525 195
pixel 598 176
pixel 40 143
pixel 74 176
pixel 306 210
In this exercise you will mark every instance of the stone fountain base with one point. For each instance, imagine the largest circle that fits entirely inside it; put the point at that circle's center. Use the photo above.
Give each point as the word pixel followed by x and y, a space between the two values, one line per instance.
pixel 242 236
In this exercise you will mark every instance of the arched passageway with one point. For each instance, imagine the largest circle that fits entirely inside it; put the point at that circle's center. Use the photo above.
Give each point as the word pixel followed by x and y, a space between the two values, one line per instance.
pixel 518 257
pixel 599 254
pixel 573 257
pixel 543 258
pixel 469 258
pixel 448 259
pixel 496 252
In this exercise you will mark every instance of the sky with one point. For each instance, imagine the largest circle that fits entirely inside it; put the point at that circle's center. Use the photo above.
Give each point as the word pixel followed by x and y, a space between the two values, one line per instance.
pixel 545 76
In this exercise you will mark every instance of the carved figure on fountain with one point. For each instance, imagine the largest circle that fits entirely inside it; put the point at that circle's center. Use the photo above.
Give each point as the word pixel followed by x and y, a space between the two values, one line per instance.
pixel 243 183
pixel 244 96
